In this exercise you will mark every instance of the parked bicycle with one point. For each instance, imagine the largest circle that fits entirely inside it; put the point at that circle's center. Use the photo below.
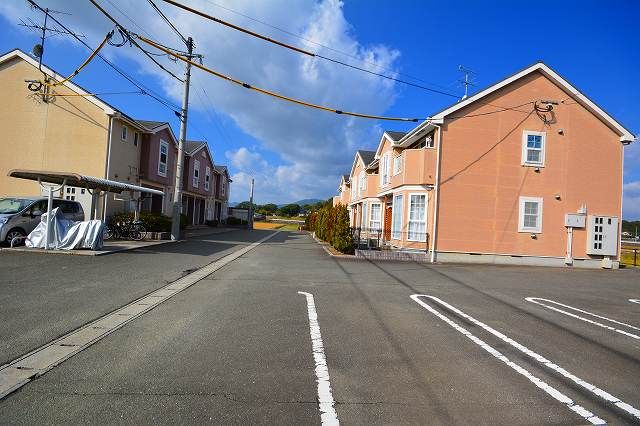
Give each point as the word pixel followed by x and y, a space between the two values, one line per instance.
pixel 126 230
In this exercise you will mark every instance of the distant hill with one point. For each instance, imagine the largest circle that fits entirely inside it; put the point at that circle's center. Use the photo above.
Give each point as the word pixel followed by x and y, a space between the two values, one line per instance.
pixel 303 202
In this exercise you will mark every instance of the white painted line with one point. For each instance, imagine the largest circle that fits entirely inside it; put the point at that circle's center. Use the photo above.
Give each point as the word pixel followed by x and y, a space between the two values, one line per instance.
pixel 328 415
pixel 553 392
pixel 20 371
pixel 617 402
pixel 634 301
pixel 546 302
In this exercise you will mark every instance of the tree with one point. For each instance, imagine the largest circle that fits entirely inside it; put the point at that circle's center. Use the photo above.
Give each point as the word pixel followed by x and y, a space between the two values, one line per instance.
pixel 342 239
pixel 289 210
pixel 244 205
pixel 270 208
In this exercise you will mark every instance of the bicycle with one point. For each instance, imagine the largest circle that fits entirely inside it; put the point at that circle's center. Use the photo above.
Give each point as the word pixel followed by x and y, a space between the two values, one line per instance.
pixel 131 230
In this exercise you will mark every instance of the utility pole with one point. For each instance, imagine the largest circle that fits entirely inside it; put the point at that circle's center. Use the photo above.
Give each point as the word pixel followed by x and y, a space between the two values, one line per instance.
pixel 250 218
pixel 177 197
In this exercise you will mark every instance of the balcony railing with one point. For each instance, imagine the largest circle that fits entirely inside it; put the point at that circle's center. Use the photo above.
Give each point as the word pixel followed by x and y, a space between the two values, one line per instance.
pixel 374 239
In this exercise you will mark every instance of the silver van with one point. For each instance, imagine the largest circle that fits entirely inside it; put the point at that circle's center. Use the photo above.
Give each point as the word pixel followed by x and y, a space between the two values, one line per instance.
pixel 20 215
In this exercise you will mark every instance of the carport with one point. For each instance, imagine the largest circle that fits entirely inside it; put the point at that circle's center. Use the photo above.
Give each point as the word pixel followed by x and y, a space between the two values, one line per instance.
pixel 54 181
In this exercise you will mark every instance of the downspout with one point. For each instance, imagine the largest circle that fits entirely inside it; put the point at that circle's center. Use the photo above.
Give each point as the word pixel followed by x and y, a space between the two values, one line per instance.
pixel 436 196
pixel 107 167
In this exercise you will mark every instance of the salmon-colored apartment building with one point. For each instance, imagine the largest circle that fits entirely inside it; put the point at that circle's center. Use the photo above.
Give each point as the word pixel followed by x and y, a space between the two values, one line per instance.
pixel 527 171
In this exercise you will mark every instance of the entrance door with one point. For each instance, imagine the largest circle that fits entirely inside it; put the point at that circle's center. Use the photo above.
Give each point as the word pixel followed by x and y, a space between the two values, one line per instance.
pixel 388 214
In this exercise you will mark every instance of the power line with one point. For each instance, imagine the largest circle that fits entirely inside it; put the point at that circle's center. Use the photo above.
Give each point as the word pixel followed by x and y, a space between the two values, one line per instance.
pixel 184 40
pixel 323 45
pixel 117 24
pixel 302 51
pixel 144 89
pixel 271 93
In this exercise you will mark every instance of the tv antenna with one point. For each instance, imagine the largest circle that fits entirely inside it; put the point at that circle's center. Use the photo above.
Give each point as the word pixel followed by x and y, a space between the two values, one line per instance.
pixel 468 79
pixel 38 49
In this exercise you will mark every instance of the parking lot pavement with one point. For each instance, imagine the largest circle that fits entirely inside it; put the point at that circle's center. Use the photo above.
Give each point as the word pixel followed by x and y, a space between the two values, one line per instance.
pixel 243 346
pixel 44 297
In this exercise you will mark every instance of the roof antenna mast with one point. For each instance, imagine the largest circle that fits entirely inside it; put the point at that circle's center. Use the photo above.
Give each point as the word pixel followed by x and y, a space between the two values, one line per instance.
pixel 468 80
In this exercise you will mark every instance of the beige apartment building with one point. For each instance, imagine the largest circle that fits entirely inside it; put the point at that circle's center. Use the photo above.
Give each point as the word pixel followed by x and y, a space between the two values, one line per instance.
pixel 73 131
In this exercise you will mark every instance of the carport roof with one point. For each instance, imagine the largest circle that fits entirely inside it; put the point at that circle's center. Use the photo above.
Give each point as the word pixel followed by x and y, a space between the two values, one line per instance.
pixel 82 181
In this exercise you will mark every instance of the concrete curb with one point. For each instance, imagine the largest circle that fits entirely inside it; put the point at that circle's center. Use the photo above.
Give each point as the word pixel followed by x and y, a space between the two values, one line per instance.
pixel 324 246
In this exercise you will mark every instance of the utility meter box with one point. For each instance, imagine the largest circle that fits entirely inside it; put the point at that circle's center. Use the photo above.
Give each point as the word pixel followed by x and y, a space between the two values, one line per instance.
pixel 574 220
pixel 602 235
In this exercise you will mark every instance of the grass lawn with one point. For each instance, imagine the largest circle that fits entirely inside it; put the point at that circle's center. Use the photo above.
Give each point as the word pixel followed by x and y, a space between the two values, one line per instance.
pixel 626 257
pixel 272 225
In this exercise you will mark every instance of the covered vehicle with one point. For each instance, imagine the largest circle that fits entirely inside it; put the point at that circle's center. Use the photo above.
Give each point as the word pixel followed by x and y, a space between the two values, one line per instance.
pixel 67 234
pixel 20 215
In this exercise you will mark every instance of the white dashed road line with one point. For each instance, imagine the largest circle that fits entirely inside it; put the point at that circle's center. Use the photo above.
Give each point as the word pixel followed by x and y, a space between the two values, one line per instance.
pixel 634 301
pixel 547 304
pixel 553 392
pixel 328 415
pixel 19 372
pixel 602 394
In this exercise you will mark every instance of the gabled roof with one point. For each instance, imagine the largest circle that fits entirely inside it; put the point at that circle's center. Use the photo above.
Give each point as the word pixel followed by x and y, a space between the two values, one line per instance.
pixel 365 156
pixel 392 135
pixel 191 147
pixel 224 170
pixel 438 118
pixel 156 126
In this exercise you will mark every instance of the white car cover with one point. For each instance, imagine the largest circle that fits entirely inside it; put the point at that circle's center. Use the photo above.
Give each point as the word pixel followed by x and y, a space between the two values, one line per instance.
pixel 67 234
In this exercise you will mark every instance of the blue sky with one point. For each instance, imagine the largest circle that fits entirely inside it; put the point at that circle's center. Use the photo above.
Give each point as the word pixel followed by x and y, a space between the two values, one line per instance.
pixel 295 153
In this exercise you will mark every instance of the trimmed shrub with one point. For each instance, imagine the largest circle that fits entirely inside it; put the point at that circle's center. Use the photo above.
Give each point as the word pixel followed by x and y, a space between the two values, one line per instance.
pixel 331 224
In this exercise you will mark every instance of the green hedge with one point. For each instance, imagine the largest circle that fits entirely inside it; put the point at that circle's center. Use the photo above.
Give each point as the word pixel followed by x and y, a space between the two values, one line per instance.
pixel 331 224
pixel 153 222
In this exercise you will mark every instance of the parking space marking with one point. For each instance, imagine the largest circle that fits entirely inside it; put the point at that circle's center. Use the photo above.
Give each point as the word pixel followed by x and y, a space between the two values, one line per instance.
pixel 617 402
pixel 21 371
pixel 546 303
pixel 553 392
pixel 634 301
pixel 328 415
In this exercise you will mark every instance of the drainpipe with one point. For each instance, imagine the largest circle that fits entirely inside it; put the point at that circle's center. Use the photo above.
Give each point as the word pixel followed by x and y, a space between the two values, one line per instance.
pixel 436 196
pixel 107 168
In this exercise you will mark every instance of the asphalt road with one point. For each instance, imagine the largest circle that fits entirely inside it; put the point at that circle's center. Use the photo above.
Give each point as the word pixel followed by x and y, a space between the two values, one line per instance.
pixel 236 346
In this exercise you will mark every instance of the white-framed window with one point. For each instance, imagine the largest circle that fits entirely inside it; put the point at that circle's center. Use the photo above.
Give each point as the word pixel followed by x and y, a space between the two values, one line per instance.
pixel 163 157
pixel 384 169
pixel 530 217
pixel 375 223
pixel 362 182
pixel 207 178
pixel 533 144
pixel 196 173
pixel 123 134
pixel 396 217
pixel 354 189
pixel 397 164
pixel 417 229
pixel 223 186
pixel 363 218
pixel 136 138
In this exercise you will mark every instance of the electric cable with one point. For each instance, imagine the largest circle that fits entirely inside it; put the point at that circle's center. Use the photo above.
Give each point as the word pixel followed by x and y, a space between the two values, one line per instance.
pixel 184 40
pixel 117 24
pixel 85 63
pixel 271 93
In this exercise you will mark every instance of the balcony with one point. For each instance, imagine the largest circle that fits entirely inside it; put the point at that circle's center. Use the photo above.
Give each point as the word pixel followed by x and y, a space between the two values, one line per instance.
pixel 418 168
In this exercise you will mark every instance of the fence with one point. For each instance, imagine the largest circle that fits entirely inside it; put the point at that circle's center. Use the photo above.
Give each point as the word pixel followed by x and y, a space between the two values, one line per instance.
pixel 630 256
pixel 374 239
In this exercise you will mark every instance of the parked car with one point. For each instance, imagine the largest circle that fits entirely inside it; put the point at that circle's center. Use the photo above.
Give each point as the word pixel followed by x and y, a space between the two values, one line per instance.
pixel 259 216
pixel 20 215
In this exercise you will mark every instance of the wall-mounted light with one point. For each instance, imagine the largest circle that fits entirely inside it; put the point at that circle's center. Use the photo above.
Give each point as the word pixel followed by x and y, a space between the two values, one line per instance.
pixel 534 237
pixel 561 131
pixel 557 196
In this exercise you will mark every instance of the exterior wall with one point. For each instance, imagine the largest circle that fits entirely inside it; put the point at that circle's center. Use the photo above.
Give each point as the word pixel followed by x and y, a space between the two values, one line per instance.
pixel 482 177
pixel 69 134
pixel 124 166
pixel 205 162
pixel 149 160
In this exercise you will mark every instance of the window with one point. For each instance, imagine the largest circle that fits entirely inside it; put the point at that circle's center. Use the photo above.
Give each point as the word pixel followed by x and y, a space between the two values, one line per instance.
pixel 363 219
pixel 384 169
pixel 136 137
pixel 530 218
pixel 223 187
pixel 396 217
pixel 376 214
pixel 362 182
pixel 162 158
pixel 207 178
pixel 417 217
pixel 123 135
pixel 196 173
pixel 354 189
pixel 397 164
pixel 533 148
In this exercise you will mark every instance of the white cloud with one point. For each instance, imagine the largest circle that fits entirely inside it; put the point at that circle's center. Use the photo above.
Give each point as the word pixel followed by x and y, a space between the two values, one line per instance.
pixel 631 200
pixel 315 146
